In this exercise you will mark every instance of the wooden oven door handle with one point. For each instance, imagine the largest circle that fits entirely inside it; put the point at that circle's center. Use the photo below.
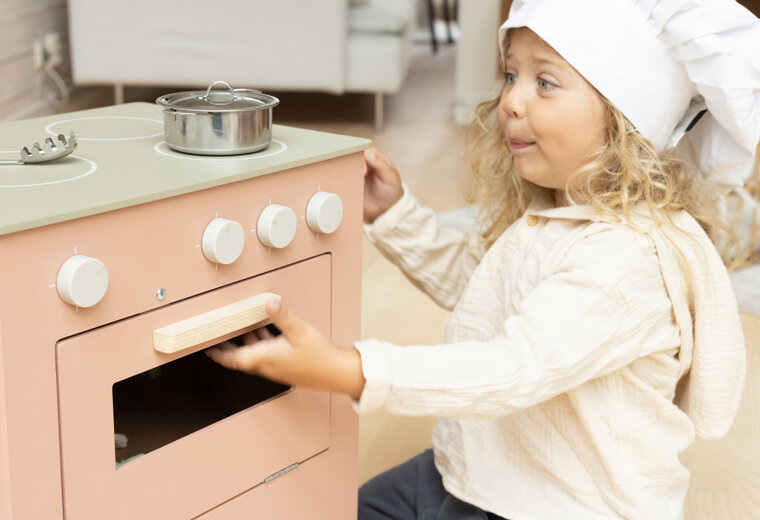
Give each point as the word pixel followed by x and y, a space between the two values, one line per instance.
pixel 210 325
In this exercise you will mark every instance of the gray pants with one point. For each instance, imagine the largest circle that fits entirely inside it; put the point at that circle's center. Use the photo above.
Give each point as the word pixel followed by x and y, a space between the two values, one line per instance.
pixel 414 491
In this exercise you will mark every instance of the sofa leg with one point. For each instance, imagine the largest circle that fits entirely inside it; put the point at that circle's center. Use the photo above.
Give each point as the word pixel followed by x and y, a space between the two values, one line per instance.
pixel 379 111
pixel 118 94
pixel 431 21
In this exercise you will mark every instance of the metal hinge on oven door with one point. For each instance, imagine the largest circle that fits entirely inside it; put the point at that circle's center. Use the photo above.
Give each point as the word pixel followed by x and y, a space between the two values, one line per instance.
pixel 280 473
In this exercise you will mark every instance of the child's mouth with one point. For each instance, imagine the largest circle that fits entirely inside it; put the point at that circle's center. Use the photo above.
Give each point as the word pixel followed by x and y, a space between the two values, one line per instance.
pixel 517 144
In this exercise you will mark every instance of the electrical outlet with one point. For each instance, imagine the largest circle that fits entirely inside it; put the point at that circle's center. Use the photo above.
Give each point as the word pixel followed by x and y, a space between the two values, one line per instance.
pixel 54 49
pixel 38 53
pixel 48 51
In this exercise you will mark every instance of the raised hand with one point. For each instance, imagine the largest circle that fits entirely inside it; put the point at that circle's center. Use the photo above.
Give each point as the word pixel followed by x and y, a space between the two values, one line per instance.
pixel 382 184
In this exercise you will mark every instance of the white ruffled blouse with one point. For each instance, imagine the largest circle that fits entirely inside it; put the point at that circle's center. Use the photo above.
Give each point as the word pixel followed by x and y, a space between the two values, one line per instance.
pixel 570 340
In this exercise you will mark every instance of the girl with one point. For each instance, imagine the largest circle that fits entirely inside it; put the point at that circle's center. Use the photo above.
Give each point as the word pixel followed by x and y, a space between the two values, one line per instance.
pixel 594 330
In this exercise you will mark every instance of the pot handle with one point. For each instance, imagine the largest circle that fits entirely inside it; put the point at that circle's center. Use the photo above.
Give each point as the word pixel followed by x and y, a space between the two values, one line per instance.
pixel 211 325
pixel 215 98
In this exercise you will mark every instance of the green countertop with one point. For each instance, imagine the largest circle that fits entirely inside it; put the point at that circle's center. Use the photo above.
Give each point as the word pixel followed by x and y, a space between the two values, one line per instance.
pixel 132 171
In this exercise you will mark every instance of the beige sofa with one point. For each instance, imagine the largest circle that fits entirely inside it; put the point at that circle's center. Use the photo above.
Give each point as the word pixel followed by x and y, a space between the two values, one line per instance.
pixel 331 46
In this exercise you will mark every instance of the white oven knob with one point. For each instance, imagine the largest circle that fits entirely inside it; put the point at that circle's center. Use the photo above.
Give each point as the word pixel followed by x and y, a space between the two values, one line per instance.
pixel 324 212
pixel 82 281
pixel 276 226
pixel 223 241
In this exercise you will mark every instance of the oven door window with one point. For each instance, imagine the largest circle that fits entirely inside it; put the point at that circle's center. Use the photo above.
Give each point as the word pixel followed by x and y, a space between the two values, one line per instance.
pixel 197 434
pixel 166 403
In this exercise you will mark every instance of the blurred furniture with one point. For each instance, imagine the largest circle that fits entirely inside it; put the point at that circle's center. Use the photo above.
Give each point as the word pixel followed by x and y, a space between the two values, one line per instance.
pixel 447 18
pixel 332 46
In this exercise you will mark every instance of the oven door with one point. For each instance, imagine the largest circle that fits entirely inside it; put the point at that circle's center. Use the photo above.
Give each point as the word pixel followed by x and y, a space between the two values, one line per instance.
pixel 196 434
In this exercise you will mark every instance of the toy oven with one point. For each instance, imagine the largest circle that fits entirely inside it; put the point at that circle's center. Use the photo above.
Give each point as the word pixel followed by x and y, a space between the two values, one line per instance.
pixel 202 442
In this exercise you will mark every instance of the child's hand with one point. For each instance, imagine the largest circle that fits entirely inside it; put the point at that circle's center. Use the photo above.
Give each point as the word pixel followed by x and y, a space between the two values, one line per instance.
pixel 301 356
pixel 382 184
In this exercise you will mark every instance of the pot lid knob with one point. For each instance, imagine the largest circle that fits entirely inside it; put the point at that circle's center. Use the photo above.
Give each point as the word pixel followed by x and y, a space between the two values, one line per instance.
pixel 217 97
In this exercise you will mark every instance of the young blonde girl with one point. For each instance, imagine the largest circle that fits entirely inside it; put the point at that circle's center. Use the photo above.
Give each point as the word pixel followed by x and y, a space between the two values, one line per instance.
pixel 594 330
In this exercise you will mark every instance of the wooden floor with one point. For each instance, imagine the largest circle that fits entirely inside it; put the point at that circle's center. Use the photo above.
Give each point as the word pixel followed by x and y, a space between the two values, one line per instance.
pixel 425 144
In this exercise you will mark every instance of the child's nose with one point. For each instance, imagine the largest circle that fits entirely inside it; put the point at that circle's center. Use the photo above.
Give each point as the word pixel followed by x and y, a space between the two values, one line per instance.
pixel 513 102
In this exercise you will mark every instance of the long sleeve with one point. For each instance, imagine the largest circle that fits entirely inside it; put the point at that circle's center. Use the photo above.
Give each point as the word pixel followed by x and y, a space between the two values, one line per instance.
pixel 556 386
pixel 437 260
pixel 603 306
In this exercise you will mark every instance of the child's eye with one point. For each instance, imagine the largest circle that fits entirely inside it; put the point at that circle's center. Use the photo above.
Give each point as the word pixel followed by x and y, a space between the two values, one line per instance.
pixel 510 78
pixel 545 85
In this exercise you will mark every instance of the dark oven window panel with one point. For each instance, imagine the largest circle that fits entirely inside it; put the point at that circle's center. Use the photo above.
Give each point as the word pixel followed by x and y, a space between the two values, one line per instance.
pixel 164 404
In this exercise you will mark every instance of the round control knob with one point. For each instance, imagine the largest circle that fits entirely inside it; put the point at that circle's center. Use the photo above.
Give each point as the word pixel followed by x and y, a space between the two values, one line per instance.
pixel 82 281
pixel 223 241
pixel 276 226
pixel 324 212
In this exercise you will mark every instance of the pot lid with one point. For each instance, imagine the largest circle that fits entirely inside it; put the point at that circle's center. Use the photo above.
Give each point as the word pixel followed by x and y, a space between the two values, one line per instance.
pixel 226 100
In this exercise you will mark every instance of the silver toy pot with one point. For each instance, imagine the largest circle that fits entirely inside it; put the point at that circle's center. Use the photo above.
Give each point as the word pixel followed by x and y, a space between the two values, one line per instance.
pixel 218 122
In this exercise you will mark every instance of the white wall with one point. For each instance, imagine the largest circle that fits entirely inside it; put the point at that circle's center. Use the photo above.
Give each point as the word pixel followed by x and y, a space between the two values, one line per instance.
pixel 477 71
pixel 22 88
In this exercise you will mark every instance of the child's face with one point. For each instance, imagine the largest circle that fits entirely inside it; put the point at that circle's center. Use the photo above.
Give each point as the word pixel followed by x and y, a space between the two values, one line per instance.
pixel 551 116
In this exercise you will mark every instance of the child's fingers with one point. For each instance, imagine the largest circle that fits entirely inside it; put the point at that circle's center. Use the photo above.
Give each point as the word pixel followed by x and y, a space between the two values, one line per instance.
pixel 218 354
pixel 372 156
pixel 291 326
pixel 265 333
pixel 248 337
pixel 245 359
pixel 225 345
pixel 377 156
pixel 378 164
pixel 257 335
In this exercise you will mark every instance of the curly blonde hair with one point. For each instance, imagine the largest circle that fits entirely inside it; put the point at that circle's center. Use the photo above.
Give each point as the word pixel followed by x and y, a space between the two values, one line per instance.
pixel 625 172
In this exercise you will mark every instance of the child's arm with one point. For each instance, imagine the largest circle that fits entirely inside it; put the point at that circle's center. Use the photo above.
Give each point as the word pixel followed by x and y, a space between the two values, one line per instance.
pixel 301 356
pixel 437 260
pixel 604 307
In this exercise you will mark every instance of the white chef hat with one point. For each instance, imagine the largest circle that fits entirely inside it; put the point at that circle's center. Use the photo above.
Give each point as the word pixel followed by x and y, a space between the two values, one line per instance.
pixel 662 63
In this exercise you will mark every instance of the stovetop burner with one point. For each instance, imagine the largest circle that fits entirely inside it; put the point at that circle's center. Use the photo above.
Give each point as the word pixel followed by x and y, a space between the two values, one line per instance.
pixel 126 128
pixel 67 169
pixel 275 147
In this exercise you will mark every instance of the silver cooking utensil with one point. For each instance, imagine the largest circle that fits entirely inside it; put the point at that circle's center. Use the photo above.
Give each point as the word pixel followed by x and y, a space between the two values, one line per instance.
pixel 49 150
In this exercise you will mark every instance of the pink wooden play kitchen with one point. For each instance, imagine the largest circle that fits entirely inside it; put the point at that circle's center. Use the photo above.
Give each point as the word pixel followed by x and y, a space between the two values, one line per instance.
pixel 119 264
